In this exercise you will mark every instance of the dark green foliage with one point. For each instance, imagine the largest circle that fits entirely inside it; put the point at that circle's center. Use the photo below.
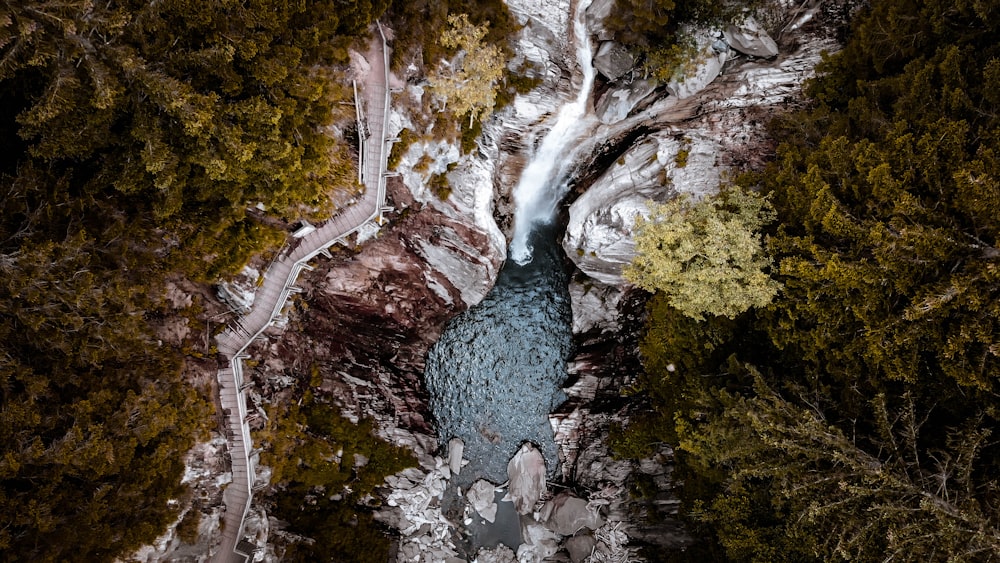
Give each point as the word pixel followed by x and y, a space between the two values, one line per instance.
pixel 419 24
pixel 406 138
pixel 469 135
pixel 854 418
pixel 135 136
pixel 319 491
pixel 186 111
pixel 438 184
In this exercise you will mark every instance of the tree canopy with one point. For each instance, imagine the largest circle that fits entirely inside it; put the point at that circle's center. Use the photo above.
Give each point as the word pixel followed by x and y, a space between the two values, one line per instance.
pixel 469 82
pixel 138 140
pixel 854 417
pixel 706 256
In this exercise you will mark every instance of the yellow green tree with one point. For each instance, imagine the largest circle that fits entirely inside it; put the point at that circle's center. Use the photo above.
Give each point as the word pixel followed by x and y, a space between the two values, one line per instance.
pixel 706 256
pixel 469 82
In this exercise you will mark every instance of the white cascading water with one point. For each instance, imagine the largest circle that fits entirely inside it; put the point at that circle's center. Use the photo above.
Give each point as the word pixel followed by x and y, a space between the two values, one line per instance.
pixel 540 187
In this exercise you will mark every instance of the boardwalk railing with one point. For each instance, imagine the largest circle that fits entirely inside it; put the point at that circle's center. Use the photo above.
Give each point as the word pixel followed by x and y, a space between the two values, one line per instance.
pixel 269 300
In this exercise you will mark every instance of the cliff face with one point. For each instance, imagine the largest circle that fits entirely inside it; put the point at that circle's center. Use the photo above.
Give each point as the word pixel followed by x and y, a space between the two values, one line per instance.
pixel 656 142
pixel 369 316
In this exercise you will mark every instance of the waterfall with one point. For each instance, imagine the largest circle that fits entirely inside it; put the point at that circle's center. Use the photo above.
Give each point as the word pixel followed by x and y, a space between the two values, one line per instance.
pixel 542 183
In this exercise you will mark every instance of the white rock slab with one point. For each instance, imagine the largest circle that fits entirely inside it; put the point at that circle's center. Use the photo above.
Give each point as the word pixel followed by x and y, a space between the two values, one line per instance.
pixel 526 472
pixel 456 447
pixel 482 498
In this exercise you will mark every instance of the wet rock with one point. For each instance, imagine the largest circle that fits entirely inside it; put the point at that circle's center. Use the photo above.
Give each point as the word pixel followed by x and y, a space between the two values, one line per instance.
pixel 482 497
pixel 455 449
pixel 526 471
pixel 567 513
pixel 613 60
pixel 750 39
pixel 618 102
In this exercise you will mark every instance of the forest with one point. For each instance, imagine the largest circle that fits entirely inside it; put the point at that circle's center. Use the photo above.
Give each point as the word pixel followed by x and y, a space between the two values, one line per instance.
pixel 143 143
pixel 854 417
pixel 148 145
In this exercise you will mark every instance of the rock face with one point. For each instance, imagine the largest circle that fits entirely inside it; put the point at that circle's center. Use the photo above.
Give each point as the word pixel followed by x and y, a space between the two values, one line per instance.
pixel 710 61
pixel 239 292
pixel 654 146
pixel 371 315
pixel 606 362
pixel 619 101
pixel 566 514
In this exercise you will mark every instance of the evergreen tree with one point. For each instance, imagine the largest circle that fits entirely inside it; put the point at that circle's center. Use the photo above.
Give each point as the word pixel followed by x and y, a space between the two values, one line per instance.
pixel 706 256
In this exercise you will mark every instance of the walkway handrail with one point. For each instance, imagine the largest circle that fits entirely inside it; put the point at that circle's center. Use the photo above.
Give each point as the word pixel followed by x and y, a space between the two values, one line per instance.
pixel 238 337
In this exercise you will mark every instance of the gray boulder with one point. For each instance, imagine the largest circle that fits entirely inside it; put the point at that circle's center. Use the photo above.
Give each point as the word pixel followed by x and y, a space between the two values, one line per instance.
pixel 567 513
pixel 617 103
pixel 580 547
pixel 482 498
pixel 750 39
pixel 456 448
pixel 613 60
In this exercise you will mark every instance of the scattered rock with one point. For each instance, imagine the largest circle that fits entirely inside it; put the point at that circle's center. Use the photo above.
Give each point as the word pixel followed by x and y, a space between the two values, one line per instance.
pixel 456 447
pixel 498 554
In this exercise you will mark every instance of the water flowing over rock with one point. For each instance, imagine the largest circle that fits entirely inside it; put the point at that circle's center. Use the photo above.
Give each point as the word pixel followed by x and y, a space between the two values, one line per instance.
pixel 542 182
pixel 494 373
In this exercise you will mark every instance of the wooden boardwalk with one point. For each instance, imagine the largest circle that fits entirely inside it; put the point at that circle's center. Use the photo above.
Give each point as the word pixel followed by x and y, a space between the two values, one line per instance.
pixel 270 298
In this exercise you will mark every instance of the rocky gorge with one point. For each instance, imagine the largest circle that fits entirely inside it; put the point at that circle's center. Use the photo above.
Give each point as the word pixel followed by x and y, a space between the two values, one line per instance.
pixel 362 327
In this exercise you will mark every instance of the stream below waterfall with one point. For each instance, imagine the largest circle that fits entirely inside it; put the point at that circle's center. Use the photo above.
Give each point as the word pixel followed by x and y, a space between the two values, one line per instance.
pixel 496 372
